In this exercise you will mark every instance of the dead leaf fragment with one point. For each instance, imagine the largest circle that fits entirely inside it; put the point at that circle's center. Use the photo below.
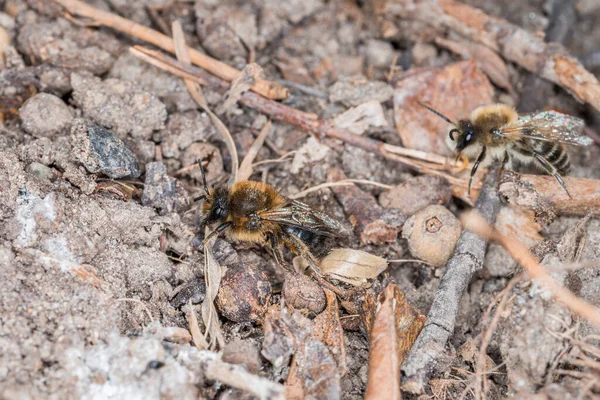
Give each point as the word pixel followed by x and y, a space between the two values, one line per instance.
pixel 352 266
pixel 486 58
pixel 327 328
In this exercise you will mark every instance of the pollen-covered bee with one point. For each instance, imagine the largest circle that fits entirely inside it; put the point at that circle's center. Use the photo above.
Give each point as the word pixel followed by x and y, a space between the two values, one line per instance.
pixel 497 132
pixel 256 212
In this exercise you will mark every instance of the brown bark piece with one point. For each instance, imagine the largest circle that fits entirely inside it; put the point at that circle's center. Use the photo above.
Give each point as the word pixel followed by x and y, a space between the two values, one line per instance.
pixel 395 328
pixel 545 197
pixel 454 90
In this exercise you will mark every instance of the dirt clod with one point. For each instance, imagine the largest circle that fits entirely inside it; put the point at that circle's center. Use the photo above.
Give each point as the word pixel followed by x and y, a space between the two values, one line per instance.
pixel 417 193
pixel 162 191
pixel 118 105
pixel 303 293
pixel 45 114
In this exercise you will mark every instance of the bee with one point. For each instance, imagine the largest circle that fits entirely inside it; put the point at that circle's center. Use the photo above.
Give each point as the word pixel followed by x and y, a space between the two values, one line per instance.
pixel 256 212
pixel 496 132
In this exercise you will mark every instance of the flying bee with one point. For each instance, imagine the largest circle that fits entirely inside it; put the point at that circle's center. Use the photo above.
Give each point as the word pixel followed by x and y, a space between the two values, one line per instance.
pixel 497 132
pixel 256 212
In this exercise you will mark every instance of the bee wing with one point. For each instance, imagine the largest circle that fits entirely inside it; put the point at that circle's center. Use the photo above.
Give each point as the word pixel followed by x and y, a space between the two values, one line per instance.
pixel 548 126
pixel 298 214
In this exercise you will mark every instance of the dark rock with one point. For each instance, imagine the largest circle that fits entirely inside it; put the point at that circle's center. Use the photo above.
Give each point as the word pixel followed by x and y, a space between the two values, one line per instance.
pixel 102 151
pixel 162 191
pixel 194 290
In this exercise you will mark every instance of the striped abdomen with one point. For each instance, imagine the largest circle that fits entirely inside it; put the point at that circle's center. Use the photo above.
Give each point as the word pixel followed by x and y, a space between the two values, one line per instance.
pixel 554 153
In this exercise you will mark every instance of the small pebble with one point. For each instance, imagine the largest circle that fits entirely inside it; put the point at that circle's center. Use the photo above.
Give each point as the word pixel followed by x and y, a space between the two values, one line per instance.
pixel 41 171
pixel 432 234
pixel 45 115
pixel 102 151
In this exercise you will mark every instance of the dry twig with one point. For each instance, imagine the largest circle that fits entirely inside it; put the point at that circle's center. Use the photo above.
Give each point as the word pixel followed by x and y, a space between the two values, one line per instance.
pixel 394 329
pixel 268 89
pixel 246 167
pixel 466 260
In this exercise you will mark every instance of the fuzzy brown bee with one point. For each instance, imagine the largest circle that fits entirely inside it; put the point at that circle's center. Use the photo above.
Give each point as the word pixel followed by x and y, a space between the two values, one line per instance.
pixel 497 132
pixel 256 212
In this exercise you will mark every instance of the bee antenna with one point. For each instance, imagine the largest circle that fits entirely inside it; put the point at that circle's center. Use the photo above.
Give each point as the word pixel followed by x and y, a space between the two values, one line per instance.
pixel 203 176
pixel 439 114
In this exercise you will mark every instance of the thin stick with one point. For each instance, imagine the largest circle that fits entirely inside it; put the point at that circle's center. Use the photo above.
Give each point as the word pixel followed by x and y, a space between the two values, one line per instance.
pixel 283 158
pixel 144 306
pixel 237 376
pixel 345 182
pixel 464 263
pixel 224 71
pixel 408 260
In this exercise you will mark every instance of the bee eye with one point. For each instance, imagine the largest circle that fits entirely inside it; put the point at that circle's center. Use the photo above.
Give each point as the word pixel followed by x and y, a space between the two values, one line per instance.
pixel 468 137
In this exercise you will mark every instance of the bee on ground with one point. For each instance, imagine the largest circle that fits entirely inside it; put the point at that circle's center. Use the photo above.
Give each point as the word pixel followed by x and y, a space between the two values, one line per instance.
pixel 497 132
pixel 256 212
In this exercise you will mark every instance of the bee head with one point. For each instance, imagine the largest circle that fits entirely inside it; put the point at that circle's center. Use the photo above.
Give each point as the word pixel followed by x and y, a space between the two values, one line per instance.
pixel 216 206
pixel 463 135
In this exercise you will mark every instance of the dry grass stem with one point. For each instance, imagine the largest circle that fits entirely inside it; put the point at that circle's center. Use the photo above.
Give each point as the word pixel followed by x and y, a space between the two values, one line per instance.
pixel 198 95
pixel 345 182
pixel 246 167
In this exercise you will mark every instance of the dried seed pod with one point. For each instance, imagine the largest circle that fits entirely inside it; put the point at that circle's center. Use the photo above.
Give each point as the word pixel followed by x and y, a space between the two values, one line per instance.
pixel 432 234
pixel 302 292
pixel 352 266
pixel 244 294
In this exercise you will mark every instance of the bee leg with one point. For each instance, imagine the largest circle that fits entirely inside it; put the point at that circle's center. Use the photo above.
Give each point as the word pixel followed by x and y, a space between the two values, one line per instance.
pixel 218 230
pixel 275 246
pixel 552 171
pixel 480 158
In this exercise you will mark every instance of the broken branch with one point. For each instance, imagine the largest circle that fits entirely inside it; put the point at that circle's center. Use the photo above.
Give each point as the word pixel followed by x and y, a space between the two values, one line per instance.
pixel 465 262
pixel 542 193
pixel 224 71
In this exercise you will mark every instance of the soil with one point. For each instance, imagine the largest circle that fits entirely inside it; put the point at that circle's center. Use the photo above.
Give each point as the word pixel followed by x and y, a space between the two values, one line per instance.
pixel 99 259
